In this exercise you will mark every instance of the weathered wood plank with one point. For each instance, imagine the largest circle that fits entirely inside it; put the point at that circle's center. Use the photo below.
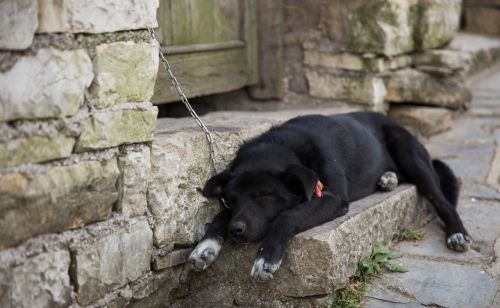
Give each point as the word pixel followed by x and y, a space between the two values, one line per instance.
pixel 203 73
pixel 164 23
pixel 180 20
pixel 270 50
pixel 202 21
pixel 251 41
pixel 227 20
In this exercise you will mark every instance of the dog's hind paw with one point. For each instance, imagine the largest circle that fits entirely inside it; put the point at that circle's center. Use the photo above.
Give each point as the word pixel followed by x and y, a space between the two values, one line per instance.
pixel 388 181
pixel 204 254
pixel 459 242
pixel 263 270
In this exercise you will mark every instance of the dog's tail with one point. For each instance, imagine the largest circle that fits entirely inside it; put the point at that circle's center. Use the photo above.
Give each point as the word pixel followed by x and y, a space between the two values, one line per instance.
pixel 450 185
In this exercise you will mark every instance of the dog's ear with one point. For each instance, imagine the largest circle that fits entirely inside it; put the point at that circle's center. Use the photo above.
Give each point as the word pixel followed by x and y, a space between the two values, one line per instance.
pixel 213 187
pixel 300 179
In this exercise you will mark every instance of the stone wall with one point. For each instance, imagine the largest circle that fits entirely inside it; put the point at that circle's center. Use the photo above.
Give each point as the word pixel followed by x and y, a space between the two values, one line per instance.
pixel 375 54
pixel 76 126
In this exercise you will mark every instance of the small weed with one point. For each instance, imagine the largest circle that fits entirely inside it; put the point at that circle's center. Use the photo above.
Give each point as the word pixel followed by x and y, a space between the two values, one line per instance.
pixel 408 234
pixel 350 296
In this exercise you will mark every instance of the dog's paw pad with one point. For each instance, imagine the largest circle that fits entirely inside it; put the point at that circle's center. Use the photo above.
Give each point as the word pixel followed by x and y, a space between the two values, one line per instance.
pixel 459 242
pixel 263 270
pixel 204 254
pixel 388 181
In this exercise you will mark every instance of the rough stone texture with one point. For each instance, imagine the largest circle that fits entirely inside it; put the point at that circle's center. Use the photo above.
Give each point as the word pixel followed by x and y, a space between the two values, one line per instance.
pixel 55 199
pixel 354 62
pixel 113 127
pixel 426 120
pixel 96 17
pixel 438 22
pixel 18 22
pixel 135 165
pixel 50 83
pixel 34 149
pixel 428 283
pixel 443 60
pixel 381 27
pixel 412 86
pixel 317 262
pixel 172 258
pixel 485 51
pixel 361 89
pixel 41 281
pixel 112 261
pixel 125 72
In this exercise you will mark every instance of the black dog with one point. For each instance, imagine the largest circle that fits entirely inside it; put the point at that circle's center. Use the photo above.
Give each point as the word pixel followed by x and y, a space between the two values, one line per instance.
pixel 305 172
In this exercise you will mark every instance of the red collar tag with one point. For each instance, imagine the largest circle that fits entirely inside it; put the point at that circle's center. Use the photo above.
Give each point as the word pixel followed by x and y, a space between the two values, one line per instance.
pixel 318 191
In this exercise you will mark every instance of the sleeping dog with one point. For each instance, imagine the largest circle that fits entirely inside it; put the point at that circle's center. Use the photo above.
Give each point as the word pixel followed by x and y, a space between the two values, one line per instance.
pixel 306 172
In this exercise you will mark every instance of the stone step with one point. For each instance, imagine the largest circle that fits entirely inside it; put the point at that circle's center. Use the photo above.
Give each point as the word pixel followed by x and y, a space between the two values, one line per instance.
pixel 484 50
pixel 318 261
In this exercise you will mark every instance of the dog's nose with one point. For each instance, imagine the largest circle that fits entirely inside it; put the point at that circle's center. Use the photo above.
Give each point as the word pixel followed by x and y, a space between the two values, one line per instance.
pixel 237 228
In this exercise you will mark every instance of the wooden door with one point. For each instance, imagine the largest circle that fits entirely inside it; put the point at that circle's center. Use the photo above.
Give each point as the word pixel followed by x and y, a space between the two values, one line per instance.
pixel 211 46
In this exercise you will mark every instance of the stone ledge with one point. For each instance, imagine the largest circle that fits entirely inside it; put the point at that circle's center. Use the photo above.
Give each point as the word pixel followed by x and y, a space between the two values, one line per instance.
pixel 485 51
pixel 318 262
pixel 180 167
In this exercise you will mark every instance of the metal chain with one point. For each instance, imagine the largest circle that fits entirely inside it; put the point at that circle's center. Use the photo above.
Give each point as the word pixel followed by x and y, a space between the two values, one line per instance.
pixel 175 83
pixel 185 101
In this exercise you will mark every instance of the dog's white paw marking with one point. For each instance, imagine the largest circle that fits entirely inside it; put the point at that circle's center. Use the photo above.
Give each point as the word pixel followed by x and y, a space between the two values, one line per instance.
pixel 262 270
pixel 459 242
pixel 388 181
pixel 204 254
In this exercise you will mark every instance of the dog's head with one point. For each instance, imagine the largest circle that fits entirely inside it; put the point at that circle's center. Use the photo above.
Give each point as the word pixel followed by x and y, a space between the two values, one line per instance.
pixel 256 198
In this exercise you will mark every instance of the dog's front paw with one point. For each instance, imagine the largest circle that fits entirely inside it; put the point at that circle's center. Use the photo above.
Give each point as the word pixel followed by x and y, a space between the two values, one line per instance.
pixel 263 270
pixel 204 254
pixel 459 242
pixel 388 181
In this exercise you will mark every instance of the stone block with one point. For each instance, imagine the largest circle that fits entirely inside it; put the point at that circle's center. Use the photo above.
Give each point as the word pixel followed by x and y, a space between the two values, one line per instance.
pixel 135 165
pixel 442 60
pixel 96 17
pixel 427 121
pixel 34 149
pixel 49 84
pixel 380 27
pixel 41 281
pixel 56 198
pixel 18 22
pixel 125 72
pixel 412 86
pixel 173 258
pixel 360 89
pixel 346 61
pixel 112 261
pixel 317 262
pixel 438 22
pixel 442 284
pixel 109 128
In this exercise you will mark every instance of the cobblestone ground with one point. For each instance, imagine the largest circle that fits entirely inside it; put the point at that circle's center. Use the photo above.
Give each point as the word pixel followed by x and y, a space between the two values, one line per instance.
pixel 439 277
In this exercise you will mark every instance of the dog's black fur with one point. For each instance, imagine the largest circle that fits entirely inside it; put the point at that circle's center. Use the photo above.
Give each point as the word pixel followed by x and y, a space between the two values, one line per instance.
pixel 269 186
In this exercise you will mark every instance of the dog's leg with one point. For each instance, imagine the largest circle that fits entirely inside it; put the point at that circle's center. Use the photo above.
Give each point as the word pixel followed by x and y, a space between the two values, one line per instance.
pixel 209 247
pixel 388 181
pixel 289 223
pixel 416 165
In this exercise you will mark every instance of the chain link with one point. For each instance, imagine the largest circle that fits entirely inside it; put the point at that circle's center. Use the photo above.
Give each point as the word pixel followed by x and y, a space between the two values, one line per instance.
pixel 192 112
